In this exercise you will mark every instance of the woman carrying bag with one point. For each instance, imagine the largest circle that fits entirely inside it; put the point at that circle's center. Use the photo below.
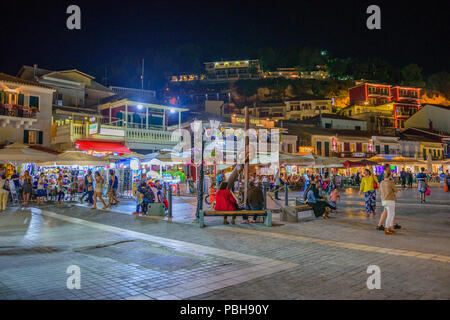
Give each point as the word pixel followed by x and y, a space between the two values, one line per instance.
pixel 369 184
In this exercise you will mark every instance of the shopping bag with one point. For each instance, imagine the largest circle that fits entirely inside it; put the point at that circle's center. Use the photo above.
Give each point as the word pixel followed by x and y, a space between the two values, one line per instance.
pixel 428 192
pixel 446 188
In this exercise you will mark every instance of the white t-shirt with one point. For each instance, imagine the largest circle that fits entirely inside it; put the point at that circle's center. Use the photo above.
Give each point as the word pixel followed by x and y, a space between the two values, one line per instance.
pixel 41 183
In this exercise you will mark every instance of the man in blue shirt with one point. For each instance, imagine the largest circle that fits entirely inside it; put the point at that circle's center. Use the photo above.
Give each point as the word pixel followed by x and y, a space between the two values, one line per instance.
pixel 113 186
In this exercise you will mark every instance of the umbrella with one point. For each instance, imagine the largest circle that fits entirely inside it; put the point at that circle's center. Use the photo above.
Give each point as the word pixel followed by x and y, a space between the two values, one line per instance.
pixel 310 160
pixel 20 153
pixel 76 157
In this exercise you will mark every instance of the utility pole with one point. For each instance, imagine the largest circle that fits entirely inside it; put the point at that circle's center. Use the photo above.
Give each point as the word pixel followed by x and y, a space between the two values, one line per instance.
pixel 247 155
pixel 200 181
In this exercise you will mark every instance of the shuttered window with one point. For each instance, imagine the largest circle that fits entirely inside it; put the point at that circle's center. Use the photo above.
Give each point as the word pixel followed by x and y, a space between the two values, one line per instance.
pixel 21 99
pixel 34 101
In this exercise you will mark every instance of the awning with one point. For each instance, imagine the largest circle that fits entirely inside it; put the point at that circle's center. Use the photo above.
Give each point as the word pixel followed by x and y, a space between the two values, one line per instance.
pixel 107 146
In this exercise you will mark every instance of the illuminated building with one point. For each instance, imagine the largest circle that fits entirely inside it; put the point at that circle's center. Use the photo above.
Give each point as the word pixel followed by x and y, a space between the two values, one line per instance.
pixel 233 70
pixel 404 101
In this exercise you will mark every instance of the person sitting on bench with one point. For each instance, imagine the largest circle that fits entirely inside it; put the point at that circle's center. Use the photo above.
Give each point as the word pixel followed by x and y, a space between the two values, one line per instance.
pixel 145 196
pixel 225 201
pixel 255 199
pixel 319 206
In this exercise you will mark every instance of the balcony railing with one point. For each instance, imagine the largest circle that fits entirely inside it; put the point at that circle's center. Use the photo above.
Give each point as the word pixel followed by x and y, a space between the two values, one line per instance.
pixel 72 132
pixel 13 110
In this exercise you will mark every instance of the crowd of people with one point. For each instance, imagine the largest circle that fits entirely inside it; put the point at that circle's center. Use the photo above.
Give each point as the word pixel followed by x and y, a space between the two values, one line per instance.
pixel 44 186
pixel 149 191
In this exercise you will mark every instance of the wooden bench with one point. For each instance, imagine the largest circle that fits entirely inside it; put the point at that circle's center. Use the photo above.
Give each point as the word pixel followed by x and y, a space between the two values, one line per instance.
pixel 302 207
pixel 267 214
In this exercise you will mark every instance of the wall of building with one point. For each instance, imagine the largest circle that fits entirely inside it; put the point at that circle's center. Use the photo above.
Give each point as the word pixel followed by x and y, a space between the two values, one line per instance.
pixel 439 116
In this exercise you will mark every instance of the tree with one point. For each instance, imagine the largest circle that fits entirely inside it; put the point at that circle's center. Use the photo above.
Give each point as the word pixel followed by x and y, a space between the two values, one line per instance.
pixel 412 75
pixel 440 82
pixel 309 58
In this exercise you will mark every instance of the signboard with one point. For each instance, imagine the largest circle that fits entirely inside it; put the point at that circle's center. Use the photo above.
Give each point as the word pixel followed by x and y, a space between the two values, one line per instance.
pixel 93 128
pixel 358 154
pixel 305 149
pixel 112 132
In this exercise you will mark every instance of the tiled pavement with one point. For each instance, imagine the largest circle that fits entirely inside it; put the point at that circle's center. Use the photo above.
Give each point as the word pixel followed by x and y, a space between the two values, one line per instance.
pixel 126 257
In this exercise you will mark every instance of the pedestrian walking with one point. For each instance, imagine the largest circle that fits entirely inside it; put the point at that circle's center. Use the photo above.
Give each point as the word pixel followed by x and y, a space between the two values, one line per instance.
pixel 388 198
pixel 410 179
pixel 368 185
pixel 27 187
pixel 447 181
pixel 98 192
pixel 59 189
pixel 112 189
pixel 4 191
pixel 90 187
pixel 422 184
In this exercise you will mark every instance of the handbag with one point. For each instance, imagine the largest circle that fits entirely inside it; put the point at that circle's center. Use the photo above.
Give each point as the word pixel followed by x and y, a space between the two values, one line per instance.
pixel 428 192
pixel 375 184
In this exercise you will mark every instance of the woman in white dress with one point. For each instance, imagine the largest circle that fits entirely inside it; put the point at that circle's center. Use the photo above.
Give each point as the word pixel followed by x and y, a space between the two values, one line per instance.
pixel 99 182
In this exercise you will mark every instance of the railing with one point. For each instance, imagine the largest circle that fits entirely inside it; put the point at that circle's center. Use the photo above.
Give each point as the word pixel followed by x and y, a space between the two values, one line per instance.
pixel 69 133
pixel 13 110
pixel 145 135
pixel 72 132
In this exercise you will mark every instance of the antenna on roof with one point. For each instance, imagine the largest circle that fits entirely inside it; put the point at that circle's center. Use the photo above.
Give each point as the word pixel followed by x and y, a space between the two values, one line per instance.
pixel 142 76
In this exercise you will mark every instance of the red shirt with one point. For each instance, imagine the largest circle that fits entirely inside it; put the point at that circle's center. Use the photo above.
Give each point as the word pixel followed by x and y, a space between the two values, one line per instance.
pixel 225 201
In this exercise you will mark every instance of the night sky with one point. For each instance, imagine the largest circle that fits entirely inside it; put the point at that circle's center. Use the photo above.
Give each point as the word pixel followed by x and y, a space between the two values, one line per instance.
pixel 117 35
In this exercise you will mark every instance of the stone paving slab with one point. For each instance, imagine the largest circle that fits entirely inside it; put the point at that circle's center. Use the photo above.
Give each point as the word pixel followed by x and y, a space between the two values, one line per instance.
pixel 310 260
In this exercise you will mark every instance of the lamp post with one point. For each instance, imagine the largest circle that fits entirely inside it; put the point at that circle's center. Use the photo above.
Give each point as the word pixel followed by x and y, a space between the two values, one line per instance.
pixel 200 181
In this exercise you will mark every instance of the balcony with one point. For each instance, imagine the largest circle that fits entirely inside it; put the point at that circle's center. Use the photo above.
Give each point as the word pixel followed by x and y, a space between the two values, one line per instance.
pixel 16 116
pixel 135 138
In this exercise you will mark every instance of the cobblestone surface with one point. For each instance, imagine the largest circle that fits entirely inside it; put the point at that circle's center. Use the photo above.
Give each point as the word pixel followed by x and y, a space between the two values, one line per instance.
pixel 122 256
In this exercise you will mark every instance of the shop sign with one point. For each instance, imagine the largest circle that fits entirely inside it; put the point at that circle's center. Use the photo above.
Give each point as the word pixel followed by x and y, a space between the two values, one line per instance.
pixel 358 154
pixel 305 149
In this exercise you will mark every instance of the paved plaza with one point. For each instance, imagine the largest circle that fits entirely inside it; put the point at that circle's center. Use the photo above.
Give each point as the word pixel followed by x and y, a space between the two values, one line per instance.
pixel 122 256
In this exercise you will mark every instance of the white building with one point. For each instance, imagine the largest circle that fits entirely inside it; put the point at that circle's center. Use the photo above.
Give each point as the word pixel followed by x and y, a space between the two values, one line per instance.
pixel 388 146
pixel 25 111
pixel 431 116
pixel 333 121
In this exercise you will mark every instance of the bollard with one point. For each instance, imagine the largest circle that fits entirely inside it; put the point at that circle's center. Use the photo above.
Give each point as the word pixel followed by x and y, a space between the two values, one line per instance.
pixel 286 199
pixel 169 200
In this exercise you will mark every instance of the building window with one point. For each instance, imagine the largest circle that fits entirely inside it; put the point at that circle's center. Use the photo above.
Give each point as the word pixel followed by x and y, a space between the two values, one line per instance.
pixel 34 102
pixel 346 146
pixel 319 148
pixel 358 147
pixel 358 128
pixel 32 137
pixel 328 125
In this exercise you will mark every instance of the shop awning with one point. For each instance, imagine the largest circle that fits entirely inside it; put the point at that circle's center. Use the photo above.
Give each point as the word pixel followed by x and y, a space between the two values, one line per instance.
pixel 107 146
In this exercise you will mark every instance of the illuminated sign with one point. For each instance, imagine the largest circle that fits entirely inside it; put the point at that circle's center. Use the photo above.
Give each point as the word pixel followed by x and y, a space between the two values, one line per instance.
pixel 305 150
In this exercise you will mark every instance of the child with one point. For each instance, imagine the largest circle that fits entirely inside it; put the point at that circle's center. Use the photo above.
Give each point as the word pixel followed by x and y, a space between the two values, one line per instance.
pixel 335 196
pixel 41 193
pixel 139 204
pixel 212 195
